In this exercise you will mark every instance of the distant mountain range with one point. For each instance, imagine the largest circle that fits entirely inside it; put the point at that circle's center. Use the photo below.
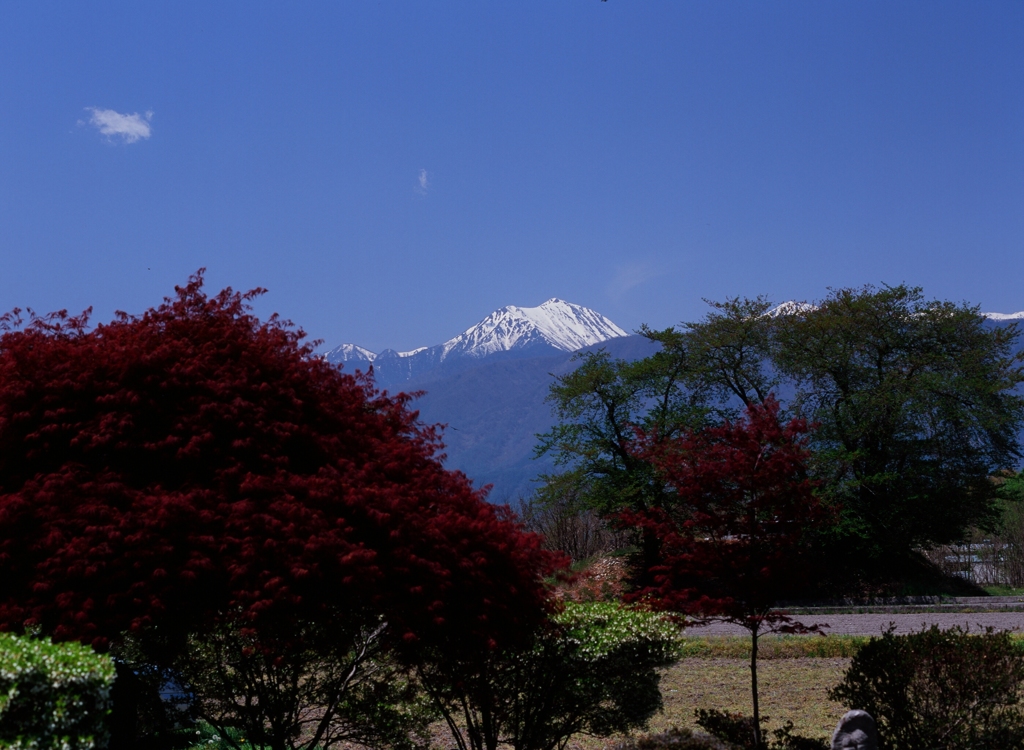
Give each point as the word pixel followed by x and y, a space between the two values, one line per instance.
pixel 511 332
pixel 489 383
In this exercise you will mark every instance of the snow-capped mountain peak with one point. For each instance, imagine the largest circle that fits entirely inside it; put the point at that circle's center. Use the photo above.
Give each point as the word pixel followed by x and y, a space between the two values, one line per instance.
pixel 557 323
pixel 350 353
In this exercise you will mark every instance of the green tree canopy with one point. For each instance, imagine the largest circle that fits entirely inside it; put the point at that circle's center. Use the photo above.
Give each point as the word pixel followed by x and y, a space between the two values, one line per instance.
pixel 600 405
pixel 914 402
pixel 916 406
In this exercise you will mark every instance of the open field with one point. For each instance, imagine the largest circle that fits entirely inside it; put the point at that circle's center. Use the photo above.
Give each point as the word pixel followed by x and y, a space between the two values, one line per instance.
pixel 791 689
pixel 794 674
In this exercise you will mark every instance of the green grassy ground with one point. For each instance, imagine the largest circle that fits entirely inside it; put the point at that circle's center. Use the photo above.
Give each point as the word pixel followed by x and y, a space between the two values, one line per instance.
pixel 1003 591
pixel 774 646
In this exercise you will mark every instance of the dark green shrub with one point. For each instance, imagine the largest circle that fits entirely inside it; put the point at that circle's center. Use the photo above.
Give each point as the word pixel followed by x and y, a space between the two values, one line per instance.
pixel 593 671
pixel 305 691
pixel 939 689
pixel 786 740
pixel 739 731
pixel 734 728
pixel 52 695
pixel 205 737
pixel 675 739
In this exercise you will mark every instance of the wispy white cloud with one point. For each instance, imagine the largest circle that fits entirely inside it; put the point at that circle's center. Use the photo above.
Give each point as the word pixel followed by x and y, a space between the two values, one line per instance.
pixel 629 277
pixel 129 128
pixel 423 182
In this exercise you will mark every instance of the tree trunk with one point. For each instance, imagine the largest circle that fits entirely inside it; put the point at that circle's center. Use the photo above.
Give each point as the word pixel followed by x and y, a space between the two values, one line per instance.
pixel 753 687
pixel 651 555
pixel 124 716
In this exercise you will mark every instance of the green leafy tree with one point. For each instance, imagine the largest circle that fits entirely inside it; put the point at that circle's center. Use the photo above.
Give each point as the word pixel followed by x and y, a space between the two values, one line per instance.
pixel 915 406
pixel 915 403
pixel 730 353
pixel 599 406
pixel 699 375
pixel 997 553
pixel 1012 490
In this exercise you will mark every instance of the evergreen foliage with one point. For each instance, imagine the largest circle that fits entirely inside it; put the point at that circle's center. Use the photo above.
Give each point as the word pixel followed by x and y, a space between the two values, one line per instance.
pixel 52 696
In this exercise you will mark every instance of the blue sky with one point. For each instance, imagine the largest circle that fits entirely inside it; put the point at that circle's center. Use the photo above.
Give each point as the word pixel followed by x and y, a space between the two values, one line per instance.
pixel 392 172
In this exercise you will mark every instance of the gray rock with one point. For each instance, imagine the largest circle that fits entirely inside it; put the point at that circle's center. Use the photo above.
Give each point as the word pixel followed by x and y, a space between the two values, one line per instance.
pixel 855 731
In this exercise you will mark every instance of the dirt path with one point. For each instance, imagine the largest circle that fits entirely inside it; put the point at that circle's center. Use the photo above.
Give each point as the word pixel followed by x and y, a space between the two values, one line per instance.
pixel 874 624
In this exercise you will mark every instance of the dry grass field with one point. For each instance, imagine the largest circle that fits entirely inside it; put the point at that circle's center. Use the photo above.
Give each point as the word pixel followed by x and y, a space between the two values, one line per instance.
pixel 792 688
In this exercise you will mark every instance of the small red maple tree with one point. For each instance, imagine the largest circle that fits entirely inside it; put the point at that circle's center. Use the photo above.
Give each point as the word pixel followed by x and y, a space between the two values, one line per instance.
pixel 165 472
pixel 733 543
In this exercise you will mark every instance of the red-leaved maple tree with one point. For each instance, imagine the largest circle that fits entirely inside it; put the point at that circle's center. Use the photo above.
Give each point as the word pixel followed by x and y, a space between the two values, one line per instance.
pixel 164 472
pixel 733 541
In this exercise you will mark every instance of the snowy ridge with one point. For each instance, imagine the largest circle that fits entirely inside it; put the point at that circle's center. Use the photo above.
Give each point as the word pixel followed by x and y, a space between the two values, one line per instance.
pixel 1004 316
pixel 792 308
pixel 557 323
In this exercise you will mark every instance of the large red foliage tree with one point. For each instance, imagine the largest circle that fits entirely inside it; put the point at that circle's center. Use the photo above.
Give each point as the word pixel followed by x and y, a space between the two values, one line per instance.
pixel 164 472
pixel 734 538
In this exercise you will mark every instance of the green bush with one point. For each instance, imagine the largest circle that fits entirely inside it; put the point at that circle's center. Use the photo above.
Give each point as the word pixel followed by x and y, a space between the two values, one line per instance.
pixel 52 695
pixel 939 689
pixel 593 671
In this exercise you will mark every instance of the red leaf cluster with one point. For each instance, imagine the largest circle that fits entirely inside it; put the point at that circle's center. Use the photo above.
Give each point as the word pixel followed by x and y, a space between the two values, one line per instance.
pixel 733 542
pixel 167 469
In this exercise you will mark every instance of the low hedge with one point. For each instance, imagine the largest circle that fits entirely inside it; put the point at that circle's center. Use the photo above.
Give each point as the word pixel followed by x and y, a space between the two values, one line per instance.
pixel 52 696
